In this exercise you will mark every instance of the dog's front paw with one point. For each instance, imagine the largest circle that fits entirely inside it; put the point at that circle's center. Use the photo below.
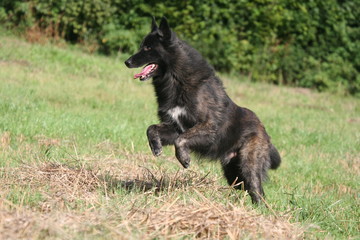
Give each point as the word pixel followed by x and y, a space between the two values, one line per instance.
pixel 183 157
pixel 157 152
pixel 156 147
pixel 182 152
pixel 186 163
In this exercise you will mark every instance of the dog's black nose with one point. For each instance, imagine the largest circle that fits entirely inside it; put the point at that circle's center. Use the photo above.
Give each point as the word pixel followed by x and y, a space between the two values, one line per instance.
pixel 128 63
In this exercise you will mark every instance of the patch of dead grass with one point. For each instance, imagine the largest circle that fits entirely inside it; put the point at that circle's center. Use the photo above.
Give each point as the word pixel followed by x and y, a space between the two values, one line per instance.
pixel 205 219
pixel 166 216
pixel 57 183
pixel 198 219
pixel 5 140
pixel 351 163
pixel 23 223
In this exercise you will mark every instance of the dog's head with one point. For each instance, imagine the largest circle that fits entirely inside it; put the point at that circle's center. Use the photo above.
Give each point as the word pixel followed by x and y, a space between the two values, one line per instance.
pixel 152 51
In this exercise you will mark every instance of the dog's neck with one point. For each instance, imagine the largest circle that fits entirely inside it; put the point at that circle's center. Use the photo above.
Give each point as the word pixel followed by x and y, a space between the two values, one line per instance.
pixel 180 77
pixel 182 67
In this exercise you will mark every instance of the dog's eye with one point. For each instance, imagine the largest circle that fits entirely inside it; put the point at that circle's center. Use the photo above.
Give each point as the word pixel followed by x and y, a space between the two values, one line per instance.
pixel 147 48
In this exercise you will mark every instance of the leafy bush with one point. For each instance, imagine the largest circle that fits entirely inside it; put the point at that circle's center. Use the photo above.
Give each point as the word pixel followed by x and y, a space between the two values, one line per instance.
pixel 304 43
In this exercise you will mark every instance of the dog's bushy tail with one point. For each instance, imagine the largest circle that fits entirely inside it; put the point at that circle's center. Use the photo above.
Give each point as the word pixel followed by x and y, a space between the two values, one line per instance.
pixel 275 158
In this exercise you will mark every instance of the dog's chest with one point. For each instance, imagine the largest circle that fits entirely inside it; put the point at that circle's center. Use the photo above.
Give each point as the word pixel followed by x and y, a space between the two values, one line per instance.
pixel 177 114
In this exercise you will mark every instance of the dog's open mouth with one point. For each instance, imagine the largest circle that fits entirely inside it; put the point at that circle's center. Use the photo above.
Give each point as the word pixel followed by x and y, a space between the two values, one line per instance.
pixel 147 71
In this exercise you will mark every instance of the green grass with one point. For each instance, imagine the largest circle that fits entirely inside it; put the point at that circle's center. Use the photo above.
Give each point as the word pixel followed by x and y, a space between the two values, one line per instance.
pixel 62 105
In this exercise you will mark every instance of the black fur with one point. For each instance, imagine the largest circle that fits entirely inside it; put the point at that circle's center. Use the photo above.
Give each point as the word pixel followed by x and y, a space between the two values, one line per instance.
pixel 197 115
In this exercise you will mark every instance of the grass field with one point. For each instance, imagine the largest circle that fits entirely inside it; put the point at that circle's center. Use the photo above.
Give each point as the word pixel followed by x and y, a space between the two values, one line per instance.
pixel 75 164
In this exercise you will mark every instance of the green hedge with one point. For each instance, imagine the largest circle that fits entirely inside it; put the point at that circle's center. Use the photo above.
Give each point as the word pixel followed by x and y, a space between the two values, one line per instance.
pixel 312 43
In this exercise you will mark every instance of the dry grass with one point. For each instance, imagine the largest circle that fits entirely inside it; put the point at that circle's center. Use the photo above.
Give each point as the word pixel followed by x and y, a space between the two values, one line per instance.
pixel 205 219
pixel 351 163
pixel 59 215
pixel 22 223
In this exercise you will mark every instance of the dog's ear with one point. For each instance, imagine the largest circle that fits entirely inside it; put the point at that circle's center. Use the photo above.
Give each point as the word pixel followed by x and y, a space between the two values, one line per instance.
pixel 164 28
pixel 154 26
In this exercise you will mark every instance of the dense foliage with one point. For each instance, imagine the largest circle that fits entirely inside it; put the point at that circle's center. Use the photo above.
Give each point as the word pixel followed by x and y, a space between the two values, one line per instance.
pixel 304 43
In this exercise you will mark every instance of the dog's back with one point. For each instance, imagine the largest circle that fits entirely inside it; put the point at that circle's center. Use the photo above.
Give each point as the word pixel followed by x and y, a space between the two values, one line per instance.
pixel 197 115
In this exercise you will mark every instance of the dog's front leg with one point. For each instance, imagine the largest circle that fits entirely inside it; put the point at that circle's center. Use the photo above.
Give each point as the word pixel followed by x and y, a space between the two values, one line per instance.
pixel 201 135
pixel 161 135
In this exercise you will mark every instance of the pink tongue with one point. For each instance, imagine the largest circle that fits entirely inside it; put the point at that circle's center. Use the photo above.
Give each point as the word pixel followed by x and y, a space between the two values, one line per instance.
pixel 146 70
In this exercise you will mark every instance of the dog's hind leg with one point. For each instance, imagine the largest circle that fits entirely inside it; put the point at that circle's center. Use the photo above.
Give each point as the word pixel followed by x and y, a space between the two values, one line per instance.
pixel 243 176
pixel 253 184
pixel 249 166
pixel 255 160
pixel 161 135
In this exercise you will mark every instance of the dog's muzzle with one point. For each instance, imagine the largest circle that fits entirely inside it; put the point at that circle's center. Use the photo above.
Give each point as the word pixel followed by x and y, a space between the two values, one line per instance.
pixel 128 63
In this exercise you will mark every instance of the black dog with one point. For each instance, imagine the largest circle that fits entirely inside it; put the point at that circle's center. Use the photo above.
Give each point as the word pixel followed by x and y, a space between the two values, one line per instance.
pixel 197 115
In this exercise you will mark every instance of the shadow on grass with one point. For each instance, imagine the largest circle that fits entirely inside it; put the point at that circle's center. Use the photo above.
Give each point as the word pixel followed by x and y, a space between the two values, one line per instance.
pixel 157 181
